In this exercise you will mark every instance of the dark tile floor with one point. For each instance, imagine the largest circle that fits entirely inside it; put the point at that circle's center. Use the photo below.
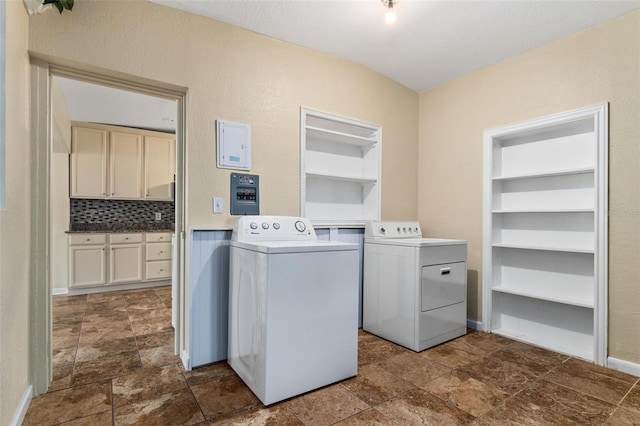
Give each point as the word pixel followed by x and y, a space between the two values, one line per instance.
pixel 114 365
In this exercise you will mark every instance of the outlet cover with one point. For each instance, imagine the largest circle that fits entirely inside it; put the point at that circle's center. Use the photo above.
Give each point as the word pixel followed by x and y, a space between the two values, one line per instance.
pixel 158 216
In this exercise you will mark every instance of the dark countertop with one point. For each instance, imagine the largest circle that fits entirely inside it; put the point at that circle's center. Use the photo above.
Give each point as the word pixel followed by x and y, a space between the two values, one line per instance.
pixel 103 228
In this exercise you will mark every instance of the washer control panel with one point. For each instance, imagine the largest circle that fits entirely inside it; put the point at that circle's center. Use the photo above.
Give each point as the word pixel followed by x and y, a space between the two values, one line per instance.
pixel 273 228
pixel 379 229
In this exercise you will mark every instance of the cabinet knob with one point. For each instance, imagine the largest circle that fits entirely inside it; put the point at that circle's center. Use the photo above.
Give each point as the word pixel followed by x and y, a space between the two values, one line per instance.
pixel 88 239
pixel 126 238
pixel 161 270
pixel 160 252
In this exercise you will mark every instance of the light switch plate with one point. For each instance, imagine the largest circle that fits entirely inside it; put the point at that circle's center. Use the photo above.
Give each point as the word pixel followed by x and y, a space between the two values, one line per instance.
pixel 217 205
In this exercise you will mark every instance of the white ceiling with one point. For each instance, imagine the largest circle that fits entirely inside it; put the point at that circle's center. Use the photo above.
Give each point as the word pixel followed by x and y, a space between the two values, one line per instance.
pixel 431 43
pixel 101 104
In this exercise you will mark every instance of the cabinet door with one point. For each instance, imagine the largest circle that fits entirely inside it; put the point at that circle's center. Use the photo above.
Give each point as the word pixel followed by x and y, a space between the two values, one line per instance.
pixel 125 165
pixel 88 162
pixel 159 168
pixel 125 263
pixel 87 266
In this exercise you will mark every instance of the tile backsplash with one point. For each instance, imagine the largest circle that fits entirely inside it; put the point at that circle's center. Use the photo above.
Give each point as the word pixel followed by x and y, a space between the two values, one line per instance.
pixel 120 215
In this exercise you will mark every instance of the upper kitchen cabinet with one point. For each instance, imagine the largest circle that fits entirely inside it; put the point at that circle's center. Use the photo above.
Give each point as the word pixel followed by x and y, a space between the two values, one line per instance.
pixel 121 163
pixel 88 162
pixel 159 165
pixel 339 169
pixel 125 165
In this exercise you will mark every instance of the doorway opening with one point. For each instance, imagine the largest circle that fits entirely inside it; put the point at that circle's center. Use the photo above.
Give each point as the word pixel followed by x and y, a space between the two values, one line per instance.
pixel 69 100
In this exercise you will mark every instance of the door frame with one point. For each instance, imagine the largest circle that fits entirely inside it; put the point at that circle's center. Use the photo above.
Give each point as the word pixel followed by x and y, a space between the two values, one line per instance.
pixel 43 68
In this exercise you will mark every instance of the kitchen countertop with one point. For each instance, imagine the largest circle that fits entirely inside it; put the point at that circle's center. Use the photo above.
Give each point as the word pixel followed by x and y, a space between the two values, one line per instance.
pixel 99 228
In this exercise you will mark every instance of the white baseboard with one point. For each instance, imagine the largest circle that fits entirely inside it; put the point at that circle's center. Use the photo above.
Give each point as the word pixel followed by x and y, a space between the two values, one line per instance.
pixel 624 366
pixel 18 417
pixel 59 291
pixel 476 325
pixel 107 288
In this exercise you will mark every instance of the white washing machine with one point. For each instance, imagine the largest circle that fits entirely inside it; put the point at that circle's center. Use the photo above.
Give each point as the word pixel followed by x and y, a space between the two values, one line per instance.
pixel 293 307
pixel 415 289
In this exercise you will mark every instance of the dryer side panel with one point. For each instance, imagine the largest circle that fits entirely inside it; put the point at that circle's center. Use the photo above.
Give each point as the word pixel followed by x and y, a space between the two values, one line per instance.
pixel 389 302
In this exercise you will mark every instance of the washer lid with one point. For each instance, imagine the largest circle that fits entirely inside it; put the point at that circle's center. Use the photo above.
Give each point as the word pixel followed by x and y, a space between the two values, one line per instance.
pixel 414 242
pixel 271 247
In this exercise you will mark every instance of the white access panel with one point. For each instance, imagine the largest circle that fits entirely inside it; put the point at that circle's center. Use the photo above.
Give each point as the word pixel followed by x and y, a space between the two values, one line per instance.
pixel 234 145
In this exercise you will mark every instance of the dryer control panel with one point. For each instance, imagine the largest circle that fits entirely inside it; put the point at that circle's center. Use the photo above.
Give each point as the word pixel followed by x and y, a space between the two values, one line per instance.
pixel 380 229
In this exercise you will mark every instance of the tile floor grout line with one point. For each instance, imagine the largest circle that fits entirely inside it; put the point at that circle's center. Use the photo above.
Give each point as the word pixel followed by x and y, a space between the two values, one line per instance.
pixel 628 392
pixel 75 356
pixel 113 405
pixel 193 394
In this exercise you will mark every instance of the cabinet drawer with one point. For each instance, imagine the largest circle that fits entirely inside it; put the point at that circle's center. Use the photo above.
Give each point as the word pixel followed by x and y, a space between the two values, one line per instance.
pixel 125 238
pixel 84 239
pixel 158 270
pixel 158 237
pixel 158 251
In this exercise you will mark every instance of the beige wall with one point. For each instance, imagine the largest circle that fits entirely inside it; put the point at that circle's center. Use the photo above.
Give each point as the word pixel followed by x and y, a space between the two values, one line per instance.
pixel 599 65
pixel 237 75
pixel 14 221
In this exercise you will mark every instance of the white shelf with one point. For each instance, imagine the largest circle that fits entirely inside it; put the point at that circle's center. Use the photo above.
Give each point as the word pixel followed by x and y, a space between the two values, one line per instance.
pixel 340 168
pixel 578 171
pixel 545 232
pixel 507 211
pixel 540 341
pixel 339 137
pixel 544 248
pixel 334 176
pixel 584 303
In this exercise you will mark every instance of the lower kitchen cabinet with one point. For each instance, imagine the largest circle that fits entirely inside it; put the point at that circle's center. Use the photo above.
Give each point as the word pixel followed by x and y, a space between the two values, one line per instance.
pixel 125 258
pixel 158 256
pixel 121 258
pixel 87 260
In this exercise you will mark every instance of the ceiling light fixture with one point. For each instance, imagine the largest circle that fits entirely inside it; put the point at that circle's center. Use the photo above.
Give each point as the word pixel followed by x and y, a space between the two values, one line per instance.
pixel 391 14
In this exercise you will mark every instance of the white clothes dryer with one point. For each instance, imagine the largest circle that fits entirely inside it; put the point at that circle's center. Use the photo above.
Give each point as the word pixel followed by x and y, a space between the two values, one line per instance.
pixel 293 307
pixel 415 288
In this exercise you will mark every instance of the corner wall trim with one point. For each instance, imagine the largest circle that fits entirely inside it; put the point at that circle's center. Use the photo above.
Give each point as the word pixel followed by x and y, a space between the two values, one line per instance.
pixel 624 366
pixel 18 417
pixel 186 361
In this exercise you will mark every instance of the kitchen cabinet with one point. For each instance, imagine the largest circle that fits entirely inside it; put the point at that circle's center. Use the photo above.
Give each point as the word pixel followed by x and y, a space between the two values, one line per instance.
pixel 339 169
pixel 87 260
pixel 125 165
pixel 121 163
pixel 545 232
pixel 159 168
pixel 157 256
pixel 88 162
pixel 125 258
pixel 97 260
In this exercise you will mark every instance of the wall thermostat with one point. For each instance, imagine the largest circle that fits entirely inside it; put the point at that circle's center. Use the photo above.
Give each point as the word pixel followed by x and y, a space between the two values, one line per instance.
pixel 245 194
